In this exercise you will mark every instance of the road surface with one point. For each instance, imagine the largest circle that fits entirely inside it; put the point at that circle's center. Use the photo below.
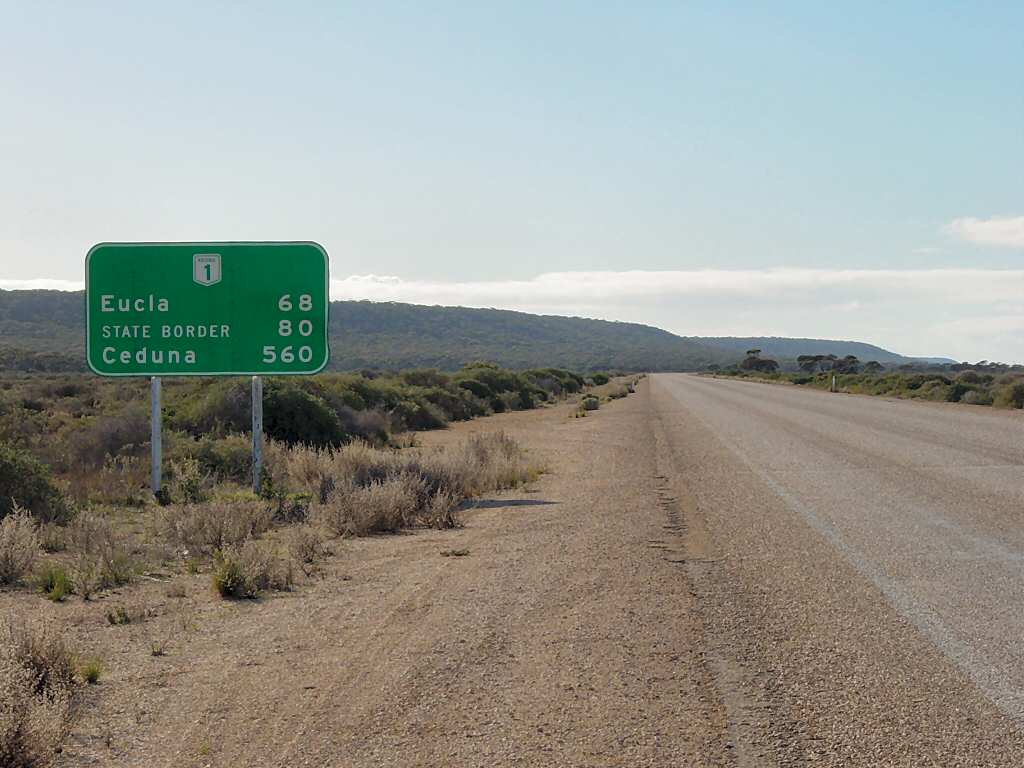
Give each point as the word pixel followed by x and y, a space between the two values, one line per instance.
pixel 864 567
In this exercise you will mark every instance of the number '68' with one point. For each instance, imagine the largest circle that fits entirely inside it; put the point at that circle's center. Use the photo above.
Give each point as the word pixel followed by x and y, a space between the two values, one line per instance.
pixel 305 303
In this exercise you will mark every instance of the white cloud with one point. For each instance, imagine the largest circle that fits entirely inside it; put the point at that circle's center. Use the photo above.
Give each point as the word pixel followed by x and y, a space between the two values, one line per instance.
pixel 573 289
pixel 1005 231
pixel 38 283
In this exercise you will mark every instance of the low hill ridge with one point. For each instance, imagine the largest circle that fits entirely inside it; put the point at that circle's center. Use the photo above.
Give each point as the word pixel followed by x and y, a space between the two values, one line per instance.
pixel 48 327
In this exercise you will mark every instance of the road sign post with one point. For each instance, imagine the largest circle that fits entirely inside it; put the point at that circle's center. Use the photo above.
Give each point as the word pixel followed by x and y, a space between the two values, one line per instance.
pixel 257 433
pixel 155 436
pixel 207 309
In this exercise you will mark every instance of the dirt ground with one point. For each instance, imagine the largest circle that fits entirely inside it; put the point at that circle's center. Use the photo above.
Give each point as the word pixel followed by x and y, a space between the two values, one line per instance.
pixel 567 636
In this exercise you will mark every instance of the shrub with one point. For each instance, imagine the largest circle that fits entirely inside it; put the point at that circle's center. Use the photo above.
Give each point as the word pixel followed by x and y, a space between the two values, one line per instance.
pixel 957 391
pixel 599 378
pixel 26 481
pixel 425 377
pixel 36 690
pixel 91 670
pixel 125 432
pixel 477 388
pixel 104 560
pixel 216 408
pixel 373 425
pixel 305 545
pixel 973 377
pixel 294 416
pixel 442 511
pixel 359 489
pixel 19 546
pixel 118 616
pixel 977 397
pixel 188 483
pixel 227 458
pixel 413 415
pixel 616 393
pixel 382 506
pixel 215 525
pixel 53 581
pixel 245 571
pixel 590 403
pixel 1010 395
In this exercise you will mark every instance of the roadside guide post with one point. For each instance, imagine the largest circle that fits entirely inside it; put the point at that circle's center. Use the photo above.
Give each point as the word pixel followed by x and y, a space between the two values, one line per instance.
pixel 257 433
pixel 206 309
pixel 155 435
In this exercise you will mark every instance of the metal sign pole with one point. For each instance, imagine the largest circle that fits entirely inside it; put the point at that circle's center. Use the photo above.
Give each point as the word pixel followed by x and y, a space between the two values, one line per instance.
pixel 155 435
pixel 257 432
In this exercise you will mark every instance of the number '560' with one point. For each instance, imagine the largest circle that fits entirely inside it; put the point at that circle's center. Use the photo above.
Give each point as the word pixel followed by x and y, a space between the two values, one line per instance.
pixel 287 354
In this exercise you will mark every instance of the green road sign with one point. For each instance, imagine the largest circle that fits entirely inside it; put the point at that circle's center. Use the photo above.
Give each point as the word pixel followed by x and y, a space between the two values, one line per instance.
pixel 206 309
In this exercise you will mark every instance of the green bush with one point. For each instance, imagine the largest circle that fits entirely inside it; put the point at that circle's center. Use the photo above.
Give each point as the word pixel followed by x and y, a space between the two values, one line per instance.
pixel 292 416
pixel 957 391
pixel 1010 395
pixel 26 481
pixel 227 458
pixel 125 432
pixel 220 407
pixel 414 415
pixel 478 388
pixel 599 378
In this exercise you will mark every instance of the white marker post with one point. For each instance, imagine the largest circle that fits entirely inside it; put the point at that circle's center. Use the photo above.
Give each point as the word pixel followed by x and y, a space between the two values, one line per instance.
pixel 257 432
pixel 155 435
pixel 834 383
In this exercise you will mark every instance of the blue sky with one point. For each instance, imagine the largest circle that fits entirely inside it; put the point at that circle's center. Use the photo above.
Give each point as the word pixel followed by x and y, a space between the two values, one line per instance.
pixel 682 155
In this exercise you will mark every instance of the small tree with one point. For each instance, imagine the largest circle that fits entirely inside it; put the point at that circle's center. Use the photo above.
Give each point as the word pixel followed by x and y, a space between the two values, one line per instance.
pixel 809 363
pixel 849 364
pixel 761 365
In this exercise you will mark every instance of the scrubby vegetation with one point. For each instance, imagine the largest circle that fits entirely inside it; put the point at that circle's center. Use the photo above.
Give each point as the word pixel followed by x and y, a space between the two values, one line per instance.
pixel 19 546
pixel 90 437
pixel 37 686
pixel 76 517
pixel 1001 389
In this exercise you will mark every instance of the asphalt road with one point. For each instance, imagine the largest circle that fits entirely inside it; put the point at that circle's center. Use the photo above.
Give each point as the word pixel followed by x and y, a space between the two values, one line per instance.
pixel 860 562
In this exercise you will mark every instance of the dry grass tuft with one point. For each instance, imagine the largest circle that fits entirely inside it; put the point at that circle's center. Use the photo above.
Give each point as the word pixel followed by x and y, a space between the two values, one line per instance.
pixel 364 490
pixel 247 570
pixel 215 525
pixel 382 506
pixel 19 545
pixel 36 689
pixel 104 560
pixel 305 546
